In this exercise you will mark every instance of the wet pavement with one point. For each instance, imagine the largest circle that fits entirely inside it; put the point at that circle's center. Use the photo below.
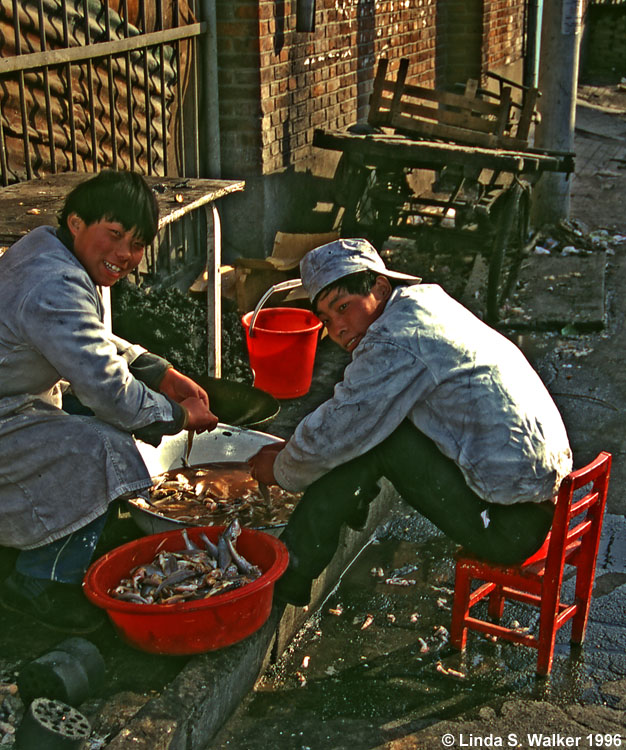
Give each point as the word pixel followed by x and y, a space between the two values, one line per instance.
pixel 375 664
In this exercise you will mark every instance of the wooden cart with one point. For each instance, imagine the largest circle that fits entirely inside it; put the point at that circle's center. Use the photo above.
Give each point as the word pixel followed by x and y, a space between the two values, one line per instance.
pixel 456 165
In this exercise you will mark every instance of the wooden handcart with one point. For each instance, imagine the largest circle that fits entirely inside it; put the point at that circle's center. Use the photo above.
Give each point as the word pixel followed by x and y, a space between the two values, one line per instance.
pixel 443 164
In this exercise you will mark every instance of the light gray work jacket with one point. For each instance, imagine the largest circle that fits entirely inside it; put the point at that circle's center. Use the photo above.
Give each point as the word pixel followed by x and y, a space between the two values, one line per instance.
pixel 463 384
pixel 60 471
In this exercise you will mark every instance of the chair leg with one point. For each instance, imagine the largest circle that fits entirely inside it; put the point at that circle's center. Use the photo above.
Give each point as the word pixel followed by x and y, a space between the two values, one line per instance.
pixel 547 637
pixel 547 625
pixel 460 609
pixel 545 658
pixel 496 604
pixel 585 572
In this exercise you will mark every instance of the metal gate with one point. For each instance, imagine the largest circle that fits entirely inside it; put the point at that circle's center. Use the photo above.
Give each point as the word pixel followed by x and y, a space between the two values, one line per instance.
pixel 93 84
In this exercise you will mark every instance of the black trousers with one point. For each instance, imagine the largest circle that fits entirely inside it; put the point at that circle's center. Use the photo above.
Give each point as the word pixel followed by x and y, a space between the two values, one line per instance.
pixel 429 482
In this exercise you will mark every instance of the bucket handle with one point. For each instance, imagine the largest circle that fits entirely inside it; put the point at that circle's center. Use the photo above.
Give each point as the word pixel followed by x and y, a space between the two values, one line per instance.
pixel 283 286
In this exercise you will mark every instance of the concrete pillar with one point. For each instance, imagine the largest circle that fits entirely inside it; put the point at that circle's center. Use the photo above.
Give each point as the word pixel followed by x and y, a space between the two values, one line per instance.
pixel 558 78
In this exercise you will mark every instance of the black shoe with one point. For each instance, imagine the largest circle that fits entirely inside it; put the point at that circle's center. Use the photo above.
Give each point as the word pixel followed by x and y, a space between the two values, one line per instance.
pixel 60 606
pixel 364 496
pixel 358 517
pixel 293 588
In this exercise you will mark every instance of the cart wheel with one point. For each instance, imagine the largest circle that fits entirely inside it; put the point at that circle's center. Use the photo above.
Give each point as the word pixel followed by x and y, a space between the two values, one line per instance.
pixel 348 181
pixel 375 213
pixel 359 217
pixel 350 186
pixel 507 250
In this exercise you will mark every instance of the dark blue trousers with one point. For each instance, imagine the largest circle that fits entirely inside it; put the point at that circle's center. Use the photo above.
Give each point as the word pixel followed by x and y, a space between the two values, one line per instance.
pixel 429 482
pixel 64 560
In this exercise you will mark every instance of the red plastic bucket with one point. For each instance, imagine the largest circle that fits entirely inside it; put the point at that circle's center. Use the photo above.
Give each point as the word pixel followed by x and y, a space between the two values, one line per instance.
pixel 282 349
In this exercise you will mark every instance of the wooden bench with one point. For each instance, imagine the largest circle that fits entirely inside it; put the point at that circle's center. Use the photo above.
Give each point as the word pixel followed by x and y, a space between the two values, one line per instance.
pixel 475 117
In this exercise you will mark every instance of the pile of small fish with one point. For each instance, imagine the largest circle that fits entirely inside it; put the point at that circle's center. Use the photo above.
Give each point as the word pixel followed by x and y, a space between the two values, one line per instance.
pixel 215 494
pixel 189 574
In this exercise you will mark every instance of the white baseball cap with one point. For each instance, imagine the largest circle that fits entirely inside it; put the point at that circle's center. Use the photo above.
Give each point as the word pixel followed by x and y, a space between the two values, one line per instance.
pixel 328 263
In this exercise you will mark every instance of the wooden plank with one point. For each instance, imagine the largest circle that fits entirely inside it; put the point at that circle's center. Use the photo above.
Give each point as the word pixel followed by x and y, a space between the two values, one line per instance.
pixel 448 98
pixel 502 125
pixel 465 118
pixel 528 110
pixel 468 121
pixel 396 103
pixel 419 112
pixel 412 126
pixel 400 151
pixel 29 204
pixel 474 104
pixel 377 92
pixel 393 101
pixel 471 88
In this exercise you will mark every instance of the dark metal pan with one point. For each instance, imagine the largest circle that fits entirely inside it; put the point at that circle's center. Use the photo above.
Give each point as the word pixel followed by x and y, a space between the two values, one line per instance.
pixel 239 404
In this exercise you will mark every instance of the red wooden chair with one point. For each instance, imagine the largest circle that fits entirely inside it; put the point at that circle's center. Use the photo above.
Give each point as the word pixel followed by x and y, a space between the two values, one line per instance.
pixel 573 540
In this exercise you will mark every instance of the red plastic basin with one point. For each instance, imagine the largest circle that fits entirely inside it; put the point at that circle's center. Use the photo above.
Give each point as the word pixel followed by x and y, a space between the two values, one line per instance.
pixel 188 627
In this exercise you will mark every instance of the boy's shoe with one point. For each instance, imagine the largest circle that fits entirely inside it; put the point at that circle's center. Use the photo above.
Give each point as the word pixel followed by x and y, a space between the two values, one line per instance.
pixel 364 494
pixel 60 606
pixel 358 517
pixel 293 588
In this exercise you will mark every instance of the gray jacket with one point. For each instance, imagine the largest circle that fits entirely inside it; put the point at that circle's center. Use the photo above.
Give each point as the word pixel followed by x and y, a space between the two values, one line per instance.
pixel 59 471
pixel 464 385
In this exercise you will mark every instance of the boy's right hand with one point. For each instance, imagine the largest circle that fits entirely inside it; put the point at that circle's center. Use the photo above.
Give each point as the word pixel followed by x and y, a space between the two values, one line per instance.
pixel 262 464
pixel 199 417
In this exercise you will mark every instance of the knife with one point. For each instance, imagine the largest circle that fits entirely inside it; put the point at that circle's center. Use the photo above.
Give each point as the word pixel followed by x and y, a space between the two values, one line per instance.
pixel 265 492
pixel 187 453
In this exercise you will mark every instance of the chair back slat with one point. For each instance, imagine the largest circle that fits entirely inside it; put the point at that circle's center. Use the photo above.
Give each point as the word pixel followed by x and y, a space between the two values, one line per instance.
pixel 579 531
pixel 579 506
pixel 592 503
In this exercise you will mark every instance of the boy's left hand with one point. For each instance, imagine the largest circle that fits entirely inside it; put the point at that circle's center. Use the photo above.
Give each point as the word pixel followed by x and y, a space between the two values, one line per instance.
pixel 262 464
pixel 179 387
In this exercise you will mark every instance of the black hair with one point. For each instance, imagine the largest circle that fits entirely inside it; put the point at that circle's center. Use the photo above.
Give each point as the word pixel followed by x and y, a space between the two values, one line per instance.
pixel 360 283
pixel 115 196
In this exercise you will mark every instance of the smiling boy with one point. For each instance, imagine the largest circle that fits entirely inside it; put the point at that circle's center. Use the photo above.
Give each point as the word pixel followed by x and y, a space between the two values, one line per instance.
pixel 445 407
pixel 59 471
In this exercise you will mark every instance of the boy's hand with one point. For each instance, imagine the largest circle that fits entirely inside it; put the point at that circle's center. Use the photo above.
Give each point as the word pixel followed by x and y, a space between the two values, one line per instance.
pixel 262 464
pixel 179 387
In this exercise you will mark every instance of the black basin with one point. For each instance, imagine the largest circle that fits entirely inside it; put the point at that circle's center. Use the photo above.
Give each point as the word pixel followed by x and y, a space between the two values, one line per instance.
pixel 239 404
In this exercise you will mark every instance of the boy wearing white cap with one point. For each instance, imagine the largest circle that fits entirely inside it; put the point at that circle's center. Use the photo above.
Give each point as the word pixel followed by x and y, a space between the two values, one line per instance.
pixel 445 407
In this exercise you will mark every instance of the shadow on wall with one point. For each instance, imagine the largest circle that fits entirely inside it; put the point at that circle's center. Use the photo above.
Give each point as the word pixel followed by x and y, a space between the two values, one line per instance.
pixel 304 201
pixel 458 45
pixel 366 58
pixel 279 34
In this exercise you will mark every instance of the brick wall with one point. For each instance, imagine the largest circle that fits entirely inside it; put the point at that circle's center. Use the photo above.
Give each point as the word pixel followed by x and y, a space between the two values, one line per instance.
pixel 239 86
pixel 503 33
pixel 277 85
pixel 460 36
pixel 300 81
